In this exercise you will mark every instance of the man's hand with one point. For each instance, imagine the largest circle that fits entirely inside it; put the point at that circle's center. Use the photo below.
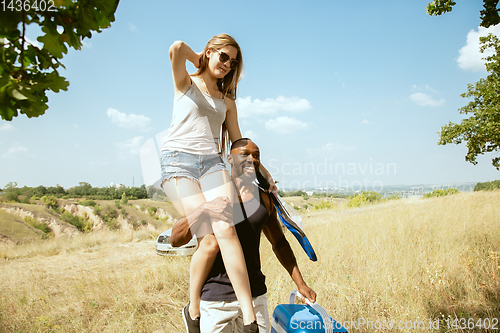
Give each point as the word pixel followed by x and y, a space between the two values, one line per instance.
pixel 308 293
pixel 219 209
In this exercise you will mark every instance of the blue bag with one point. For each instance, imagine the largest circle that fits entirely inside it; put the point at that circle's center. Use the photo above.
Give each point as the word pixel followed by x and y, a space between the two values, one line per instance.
pixel 303 318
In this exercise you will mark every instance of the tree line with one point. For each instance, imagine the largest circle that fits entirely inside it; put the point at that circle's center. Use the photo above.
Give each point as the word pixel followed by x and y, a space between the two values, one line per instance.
pixel 83 190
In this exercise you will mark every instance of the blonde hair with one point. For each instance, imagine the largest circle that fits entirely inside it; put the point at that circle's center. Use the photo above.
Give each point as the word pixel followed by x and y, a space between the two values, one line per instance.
pixel 229 83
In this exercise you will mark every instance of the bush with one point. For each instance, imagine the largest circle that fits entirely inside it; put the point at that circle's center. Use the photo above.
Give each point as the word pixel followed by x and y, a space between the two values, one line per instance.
pixel 11 196
pixel 364 197
pixel 50 201
pixel 152 210
pixel 325 204
pixel 393 196
pixel 80 223
pixel 109 214
pixel 124 199
pixel 117 204
pixel 440 192
pixel 134 223
pixel 357 200
pixel 113 224
pixel 97 210
pixel 487 186
pixel 25 200
pixel 35 224
pixel 87 202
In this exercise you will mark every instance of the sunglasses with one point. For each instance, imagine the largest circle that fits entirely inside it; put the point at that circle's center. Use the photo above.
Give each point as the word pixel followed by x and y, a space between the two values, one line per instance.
pixel 223 57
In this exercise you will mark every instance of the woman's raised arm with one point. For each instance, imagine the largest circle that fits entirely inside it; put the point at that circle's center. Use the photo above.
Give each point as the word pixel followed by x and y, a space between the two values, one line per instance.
pixel 179 52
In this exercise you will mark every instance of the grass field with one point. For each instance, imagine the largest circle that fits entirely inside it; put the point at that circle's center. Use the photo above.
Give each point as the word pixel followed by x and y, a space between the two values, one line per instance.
pixel 404 260
pixel 15 229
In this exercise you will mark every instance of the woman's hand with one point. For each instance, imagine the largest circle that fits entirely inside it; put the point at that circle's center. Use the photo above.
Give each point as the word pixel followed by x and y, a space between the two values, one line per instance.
pixel 272 185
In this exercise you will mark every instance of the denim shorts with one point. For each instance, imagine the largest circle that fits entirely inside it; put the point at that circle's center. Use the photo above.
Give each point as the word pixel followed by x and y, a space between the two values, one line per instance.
pixel 176 164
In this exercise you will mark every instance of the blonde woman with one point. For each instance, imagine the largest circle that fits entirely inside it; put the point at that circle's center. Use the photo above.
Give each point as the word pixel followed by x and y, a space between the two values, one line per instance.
pixel 204 121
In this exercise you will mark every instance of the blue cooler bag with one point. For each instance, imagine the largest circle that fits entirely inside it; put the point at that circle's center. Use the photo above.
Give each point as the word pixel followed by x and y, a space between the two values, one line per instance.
pixel 302 318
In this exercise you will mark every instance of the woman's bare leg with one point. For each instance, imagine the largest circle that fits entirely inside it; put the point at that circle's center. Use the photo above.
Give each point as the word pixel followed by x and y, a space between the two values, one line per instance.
pixel 185 194
pixel 201 264
pixel 219 184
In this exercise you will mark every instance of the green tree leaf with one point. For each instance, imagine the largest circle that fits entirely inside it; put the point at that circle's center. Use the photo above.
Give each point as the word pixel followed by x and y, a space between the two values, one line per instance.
pixel 27 71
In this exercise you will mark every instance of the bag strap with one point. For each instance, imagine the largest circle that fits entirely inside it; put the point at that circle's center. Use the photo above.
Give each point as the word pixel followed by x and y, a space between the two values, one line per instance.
pixel 327 320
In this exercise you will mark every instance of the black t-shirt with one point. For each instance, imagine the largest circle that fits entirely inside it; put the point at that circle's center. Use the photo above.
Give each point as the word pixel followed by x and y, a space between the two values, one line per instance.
pixel 254 216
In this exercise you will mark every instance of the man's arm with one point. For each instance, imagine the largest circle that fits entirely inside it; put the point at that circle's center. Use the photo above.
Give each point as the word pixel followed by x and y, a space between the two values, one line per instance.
pixel 284 252
pixel 219 209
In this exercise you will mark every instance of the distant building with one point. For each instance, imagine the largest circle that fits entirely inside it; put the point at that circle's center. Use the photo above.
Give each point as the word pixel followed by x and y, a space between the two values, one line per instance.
pixel 309 192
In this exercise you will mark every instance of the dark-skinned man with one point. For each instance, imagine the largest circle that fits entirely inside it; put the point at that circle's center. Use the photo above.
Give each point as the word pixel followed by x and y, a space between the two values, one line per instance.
pixel 252 214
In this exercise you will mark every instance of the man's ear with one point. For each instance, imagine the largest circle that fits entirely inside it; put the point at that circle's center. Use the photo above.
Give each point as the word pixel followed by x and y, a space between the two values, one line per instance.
pixel 230 159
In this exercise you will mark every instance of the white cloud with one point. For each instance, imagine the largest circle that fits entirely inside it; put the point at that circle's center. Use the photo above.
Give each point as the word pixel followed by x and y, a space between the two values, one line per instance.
pixel 14 151
pixel 131 121
pixel 251 135
pixel 364 122
pixel 132 27
pixel 7 127
pixel 331 148
pixel 131 147
pixel 469 56
pixel 250 108
pixel 424 87
pixel 286 125
pixel 426 100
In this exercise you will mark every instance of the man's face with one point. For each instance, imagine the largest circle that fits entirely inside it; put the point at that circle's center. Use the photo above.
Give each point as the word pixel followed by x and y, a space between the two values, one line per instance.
pixel 245 160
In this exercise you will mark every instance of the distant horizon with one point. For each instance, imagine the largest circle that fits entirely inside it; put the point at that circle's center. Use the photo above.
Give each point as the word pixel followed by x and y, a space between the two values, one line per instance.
pixel 284 189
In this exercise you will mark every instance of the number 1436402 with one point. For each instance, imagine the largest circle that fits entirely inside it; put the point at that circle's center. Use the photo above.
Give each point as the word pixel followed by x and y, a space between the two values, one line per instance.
pixel 473 324
pixel 27 5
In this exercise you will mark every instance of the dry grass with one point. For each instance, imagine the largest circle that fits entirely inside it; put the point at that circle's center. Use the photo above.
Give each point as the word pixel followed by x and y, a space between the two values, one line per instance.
pixel 15 229
pixel 101 282
pixel 403 260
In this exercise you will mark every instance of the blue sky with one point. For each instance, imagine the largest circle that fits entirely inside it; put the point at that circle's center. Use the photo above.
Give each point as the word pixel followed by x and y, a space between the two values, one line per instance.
pixel 335 93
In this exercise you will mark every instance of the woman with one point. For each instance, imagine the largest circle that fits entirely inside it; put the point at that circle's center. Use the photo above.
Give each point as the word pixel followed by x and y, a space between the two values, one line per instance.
pixel 192 169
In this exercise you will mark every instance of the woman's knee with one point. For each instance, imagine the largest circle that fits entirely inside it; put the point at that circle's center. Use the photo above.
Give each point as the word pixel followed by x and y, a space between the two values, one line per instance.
pixel 209 245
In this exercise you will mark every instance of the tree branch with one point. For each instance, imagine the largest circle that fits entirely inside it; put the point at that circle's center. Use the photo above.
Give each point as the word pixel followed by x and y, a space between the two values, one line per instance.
pixel 22 41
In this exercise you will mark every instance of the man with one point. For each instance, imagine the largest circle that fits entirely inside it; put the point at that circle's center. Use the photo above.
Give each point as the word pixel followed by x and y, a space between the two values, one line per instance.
pixel 220 311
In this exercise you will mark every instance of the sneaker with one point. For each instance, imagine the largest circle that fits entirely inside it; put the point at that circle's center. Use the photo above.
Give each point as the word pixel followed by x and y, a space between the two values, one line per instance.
pixel 252 328
pixel 192 325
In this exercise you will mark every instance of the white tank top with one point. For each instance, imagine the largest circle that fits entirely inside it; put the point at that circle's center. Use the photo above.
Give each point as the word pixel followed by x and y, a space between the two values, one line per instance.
pixel 196 123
